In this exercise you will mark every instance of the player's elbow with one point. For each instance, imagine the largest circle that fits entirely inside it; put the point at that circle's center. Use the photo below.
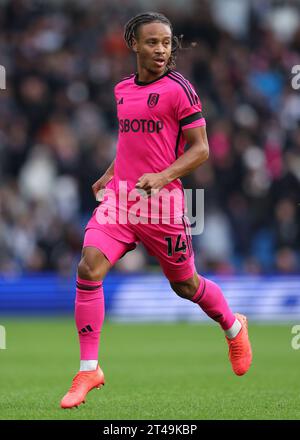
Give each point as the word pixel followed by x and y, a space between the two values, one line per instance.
pixel 206 152
pixel 203 152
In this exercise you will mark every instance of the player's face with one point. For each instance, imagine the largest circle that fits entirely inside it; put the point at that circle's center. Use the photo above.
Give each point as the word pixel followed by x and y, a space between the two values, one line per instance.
pixel 153 47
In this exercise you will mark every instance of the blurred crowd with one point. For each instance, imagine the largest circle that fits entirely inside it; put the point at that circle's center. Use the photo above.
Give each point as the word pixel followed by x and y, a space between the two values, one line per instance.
pixel 58 128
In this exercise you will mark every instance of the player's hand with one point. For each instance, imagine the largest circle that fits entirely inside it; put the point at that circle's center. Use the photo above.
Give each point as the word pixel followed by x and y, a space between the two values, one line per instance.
pixel 151 183
pixel 99 185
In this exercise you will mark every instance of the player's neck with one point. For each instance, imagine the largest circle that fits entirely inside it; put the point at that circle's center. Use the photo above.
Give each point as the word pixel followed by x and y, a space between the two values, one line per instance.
pixel 146 76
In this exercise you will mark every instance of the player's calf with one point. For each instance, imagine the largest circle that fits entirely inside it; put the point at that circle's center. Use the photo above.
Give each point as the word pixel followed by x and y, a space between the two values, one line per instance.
pixel 186 289
pixel 210 298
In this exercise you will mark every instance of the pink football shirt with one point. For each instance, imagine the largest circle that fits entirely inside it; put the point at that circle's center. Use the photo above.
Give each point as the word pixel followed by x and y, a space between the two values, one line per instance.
pixel 152 118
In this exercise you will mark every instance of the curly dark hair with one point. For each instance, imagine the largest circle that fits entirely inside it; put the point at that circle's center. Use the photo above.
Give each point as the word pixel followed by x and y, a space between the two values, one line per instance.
pixel 132 26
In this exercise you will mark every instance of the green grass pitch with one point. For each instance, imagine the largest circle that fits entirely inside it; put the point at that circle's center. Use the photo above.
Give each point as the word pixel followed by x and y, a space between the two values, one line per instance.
pixel 152 371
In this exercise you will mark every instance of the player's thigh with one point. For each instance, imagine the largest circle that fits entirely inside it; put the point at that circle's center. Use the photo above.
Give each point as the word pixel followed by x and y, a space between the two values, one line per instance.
pixel 171 244
pixel 93 265
pixel 100 252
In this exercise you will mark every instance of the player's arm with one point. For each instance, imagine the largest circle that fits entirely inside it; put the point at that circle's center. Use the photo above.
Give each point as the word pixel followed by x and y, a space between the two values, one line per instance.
pixel 104 179
pixel 198 153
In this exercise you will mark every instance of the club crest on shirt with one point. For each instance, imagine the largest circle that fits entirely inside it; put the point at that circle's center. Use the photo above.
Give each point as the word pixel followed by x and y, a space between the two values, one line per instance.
pixel 153 99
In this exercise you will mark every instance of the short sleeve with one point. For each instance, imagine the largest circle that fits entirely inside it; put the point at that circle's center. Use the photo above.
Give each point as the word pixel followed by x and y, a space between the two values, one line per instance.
pixel 188 106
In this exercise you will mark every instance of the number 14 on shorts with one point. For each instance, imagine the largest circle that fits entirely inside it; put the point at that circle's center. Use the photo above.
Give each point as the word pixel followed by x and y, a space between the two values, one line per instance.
pixel 171 249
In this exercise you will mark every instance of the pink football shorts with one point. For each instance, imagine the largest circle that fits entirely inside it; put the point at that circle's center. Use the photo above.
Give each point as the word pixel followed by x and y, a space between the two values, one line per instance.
pixel 170 243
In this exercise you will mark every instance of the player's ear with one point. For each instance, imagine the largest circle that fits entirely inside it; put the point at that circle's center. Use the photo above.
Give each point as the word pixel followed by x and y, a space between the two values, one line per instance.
pixel 134 45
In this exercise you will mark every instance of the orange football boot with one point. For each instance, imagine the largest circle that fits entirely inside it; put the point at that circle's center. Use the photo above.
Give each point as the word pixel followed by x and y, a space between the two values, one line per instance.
pixel 240 352
pixel 82 383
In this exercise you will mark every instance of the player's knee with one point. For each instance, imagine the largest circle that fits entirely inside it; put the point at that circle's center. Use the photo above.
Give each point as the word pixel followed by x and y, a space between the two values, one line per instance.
pixel 88 271
pixel 185 289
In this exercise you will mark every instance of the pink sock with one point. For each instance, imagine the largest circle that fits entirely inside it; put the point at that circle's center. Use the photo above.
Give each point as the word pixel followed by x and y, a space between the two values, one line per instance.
pixel 210 298
pixel 89 316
